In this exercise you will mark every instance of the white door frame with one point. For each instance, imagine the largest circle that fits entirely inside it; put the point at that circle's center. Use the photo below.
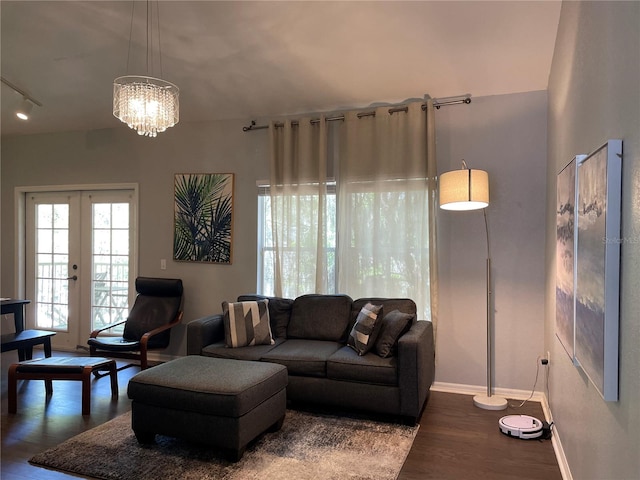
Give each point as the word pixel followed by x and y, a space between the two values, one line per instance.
pixel 20 201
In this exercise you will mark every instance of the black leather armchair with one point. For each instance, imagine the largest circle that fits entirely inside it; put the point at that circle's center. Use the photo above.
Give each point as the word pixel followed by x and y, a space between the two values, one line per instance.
pixel 157 309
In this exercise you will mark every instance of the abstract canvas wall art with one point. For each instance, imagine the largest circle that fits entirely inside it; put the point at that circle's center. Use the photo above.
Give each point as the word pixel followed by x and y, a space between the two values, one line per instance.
pixel 565 255
pixel 598 267
pixel 203 222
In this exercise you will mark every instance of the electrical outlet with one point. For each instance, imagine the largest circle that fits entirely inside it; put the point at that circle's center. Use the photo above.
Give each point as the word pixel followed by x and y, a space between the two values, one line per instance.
pixel 163 264
pixel 545 360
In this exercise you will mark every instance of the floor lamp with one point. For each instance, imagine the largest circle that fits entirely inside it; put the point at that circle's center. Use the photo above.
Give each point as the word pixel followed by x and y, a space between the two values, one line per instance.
pixel 468 189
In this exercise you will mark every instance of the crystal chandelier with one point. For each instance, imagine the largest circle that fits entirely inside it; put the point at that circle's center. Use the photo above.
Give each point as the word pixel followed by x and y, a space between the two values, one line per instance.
pixel 146 104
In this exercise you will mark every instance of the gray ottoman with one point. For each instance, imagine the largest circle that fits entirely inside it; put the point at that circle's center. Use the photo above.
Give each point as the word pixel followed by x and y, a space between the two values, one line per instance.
pixel 219 402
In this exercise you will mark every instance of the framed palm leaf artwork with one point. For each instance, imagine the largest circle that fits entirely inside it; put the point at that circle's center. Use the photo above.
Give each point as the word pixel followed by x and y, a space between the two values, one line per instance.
pixel 203 224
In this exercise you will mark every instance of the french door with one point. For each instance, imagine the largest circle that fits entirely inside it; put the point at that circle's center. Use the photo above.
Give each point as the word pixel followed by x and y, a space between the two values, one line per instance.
pixel 80 261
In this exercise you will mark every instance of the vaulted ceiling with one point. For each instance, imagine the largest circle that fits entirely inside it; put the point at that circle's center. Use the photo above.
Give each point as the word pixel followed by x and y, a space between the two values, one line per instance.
pixel 243 60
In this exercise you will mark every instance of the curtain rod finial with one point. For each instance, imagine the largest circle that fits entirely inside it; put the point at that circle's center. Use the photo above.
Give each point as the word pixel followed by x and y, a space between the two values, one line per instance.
pixel 250 127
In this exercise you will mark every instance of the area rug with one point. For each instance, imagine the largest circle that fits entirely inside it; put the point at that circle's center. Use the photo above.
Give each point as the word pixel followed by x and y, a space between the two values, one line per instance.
pixel 309 446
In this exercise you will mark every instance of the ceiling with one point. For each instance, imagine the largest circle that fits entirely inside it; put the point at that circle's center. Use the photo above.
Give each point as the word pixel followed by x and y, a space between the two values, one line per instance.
pixel 245 60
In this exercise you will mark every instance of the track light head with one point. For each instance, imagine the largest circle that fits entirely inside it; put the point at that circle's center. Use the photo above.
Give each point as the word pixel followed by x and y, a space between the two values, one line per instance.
pixel 24 109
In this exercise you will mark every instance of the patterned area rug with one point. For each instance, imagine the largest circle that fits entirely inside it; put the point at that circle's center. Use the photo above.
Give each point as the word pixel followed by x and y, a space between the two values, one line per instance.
pixel 309 446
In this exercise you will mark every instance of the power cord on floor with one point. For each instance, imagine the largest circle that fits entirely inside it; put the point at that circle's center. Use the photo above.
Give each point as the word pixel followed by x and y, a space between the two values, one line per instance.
pixel 539 361
pixel 547 427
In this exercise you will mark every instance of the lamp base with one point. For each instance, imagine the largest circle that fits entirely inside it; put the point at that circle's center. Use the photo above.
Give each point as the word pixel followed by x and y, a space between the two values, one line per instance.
pixel 490 403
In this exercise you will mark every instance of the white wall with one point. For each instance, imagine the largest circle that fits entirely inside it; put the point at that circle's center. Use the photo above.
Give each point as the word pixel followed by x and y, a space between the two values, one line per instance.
pixel 594 95
pixel 506 136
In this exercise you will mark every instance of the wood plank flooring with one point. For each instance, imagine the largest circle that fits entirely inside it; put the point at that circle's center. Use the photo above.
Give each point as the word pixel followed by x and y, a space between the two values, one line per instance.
pixel 459 441
pixel 456 440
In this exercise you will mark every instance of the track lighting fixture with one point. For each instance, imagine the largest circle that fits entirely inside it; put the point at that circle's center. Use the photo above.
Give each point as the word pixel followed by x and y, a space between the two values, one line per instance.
pixel 24 109
pixel 27 103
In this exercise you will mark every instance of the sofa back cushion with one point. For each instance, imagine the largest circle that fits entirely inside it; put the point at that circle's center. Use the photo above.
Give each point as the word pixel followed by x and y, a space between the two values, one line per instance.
pixel 320 317
pixel 279 312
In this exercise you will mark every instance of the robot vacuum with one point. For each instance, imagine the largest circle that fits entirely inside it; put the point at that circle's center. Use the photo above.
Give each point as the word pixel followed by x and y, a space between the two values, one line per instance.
pixel 521 426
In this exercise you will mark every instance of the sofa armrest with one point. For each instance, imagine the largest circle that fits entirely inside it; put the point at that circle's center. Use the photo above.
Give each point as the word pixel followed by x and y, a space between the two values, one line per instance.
pixel 202 332
pixel 416 367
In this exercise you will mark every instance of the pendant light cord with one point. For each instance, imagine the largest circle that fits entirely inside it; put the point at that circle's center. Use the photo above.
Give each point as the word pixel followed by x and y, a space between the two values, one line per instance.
pixel 159 42
pixel 133 6
pixel 148 21
pixel 149 37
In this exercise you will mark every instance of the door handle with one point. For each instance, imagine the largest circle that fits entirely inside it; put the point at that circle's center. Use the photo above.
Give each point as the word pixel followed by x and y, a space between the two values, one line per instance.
pixel 74 278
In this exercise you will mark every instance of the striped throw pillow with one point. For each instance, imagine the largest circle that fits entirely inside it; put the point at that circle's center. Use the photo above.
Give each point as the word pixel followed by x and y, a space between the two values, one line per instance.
pixel 246 323
pixel 364 331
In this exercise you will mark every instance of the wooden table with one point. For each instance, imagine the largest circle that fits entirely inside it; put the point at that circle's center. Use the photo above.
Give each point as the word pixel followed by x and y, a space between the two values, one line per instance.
pixel 23 340
pixel 61 368
pixel 15 306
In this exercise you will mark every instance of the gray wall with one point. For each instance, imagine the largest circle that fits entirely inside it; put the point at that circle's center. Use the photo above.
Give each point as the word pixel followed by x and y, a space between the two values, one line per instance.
pixel 503 134
pixel 119 155
pixel 594 95
pixel 506 136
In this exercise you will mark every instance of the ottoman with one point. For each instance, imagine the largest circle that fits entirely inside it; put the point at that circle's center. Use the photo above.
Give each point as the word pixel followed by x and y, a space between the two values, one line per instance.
pixel 220 402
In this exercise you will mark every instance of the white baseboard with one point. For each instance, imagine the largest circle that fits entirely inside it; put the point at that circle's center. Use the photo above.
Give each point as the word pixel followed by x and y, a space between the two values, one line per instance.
pixel 516 395
pixel 476 389
pixel 555 441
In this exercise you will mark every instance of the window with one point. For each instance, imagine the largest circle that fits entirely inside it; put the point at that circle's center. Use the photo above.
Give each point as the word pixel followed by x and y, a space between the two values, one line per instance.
pixel 382 230
pixel 301 275
pixel 110 265
pixel 369 236
pixel 380 252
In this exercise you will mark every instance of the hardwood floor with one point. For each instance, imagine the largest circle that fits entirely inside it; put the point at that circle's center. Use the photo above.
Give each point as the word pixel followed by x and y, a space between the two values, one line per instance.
pixel 459 441
pixel 455 440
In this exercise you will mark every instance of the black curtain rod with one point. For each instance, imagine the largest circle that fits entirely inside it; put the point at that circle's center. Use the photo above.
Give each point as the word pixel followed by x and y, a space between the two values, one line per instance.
pixel 466 100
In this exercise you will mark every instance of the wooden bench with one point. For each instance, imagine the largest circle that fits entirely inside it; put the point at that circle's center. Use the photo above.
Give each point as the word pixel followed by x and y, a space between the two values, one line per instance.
pixel 61 368
pixel 24 342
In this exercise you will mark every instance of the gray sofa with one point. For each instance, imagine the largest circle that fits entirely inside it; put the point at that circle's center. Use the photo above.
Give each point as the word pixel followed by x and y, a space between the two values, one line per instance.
pixel 311 335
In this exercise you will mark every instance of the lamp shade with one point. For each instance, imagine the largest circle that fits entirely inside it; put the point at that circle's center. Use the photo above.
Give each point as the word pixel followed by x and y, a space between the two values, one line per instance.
pixel 464 189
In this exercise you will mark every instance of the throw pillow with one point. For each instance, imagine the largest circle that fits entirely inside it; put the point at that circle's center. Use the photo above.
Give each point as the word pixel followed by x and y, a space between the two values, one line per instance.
pixel 364 331
pixel 394 324
pixel 246 323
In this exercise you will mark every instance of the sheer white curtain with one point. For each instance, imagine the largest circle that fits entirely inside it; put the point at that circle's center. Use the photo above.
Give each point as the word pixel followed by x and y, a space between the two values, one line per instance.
pixel 374 235
pixel 299 212
pixel 384 205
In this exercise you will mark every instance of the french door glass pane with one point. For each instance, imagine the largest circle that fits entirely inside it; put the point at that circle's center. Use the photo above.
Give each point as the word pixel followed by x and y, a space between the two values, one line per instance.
pixel 52 249
pixel 110 264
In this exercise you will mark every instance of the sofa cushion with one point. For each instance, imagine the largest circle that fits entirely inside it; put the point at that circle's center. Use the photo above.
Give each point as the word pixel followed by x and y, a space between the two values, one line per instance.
pixel 405 305
pixel 246 323
pixel 254 352
pixel 279 312
pixel 364 332
pixel 347 365
pixel 392 326
pixel 320 317
pixel 303 357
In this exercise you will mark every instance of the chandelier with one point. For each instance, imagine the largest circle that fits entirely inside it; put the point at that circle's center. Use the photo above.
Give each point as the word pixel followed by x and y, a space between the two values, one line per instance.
pixel 146 104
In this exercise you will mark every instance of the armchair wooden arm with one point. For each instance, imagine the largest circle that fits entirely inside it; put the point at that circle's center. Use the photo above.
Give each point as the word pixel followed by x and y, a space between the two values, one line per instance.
pixel 145 338
pixel 96 332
